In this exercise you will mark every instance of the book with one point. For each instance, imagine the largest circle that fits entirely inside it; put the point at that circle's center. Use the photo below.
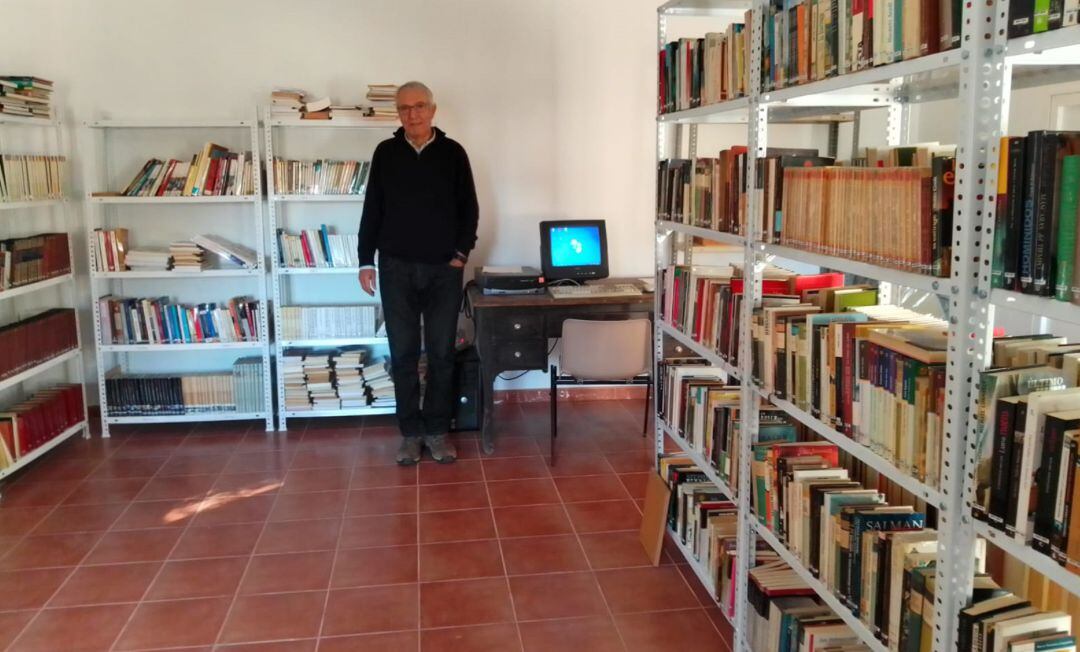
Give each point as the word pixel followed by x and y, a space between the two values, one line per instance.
pixel 328 322
pixel 317 248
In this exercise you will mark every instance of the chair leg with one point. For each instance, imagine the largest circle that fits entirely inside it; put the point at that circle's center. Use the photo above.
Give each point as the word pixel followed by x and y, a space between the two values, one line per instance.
pixel 553 400
pixel 648 399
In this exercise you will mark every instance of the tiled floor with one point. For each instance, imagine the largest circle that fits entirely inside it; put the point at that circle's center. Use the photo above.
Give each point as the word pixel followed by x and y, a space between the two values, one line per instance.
pixel 225 538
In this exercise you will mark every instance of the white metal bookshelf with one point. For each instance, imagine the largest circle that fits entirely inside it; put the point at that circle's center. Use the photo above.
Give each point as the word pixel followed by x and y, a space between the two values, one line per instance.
pixel 278 215
pixel 978 77
pixel 105 211
pixel 23 301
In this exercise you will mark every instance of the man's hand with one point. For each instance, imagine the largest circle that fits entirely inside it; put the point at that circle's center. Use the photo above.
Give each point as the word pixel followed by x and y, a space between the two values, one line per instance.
pixel 367 281
pixel 455 262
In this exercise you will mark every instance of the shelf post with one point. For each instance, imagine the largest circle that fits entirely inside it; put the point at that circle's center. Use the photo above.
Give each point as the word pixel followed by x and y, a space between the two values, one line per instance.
pixel 981 87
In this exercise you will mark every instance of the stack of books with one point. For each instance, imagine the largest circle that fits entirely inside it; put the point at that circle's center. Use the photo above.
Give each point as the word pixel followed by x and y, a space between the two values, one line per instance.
pixel 700 71
pixel 161 321
pixel 349 378
pixel 320 177
pixel 237 390
pixel 328 322
pixel 32 259
pixel 292 377
pixel 315 109
pixel 318 248
pixel 37 420
pixel 31 177
pixel 379 384
pixel 286 102
pixel 1001 620
pixel 214 171
pixel 1036 215
pixel 1028 448
pixel 187 256
pixel 34 340
pixel 29 97
pixel 148 260
pixel 804 42
pixel 382 98
pixel 228 252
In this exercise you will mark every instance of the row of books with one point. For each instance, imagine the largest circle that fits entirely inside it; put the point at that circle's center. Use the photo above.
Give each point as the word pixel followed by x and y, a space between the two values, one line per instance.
pixel 846 535
pixel 26 96
pixel 31 177
pixel 699 71
pixel 1036 214
pixel 320 177
pixel 893 216
pixel 318 248
pixel 1001 620
pixel 32 259
pixel 705 192
pixel 112 253
pixel 214 171
pixel 31 341
pixel 162 321
pixel 809 40
pixel 1028 425
pixel 328 322
pixel 705 521
pixel 1028 17
pixel 339 379
pixel 699 406
pixel 239 390
pixel 874 373
pixel 39 419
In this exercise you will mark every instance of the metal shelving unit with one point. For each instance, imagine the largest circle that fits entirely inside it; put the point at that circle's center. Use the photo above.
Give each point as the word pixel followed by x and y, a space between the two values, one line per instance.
pixel 103 211
pixel 978 76
pixel 26 300
pixel 277 211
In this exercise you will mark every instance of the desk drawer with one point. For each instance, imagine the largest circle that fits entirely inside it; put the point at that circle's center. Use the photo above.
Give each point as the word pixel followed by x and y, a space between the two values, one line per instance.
pixel 521 353
pixel 519 325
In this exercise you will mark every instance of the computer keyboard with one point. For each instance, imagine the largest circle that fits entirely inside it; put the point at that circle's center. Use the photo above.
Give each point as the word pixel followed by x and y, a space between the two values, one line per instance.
pixel 591 291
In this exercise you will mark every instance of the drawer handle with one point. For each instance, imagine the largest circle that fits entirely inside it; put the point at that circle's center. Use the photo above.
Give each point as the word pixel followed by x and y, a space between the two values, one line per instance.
pixel 517 354
pixel 517 327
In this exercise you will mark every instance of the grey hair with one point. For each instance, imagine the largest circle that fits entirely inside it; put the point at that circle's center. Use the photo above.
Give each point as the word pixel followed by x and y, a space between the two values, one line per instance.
pixel 417 86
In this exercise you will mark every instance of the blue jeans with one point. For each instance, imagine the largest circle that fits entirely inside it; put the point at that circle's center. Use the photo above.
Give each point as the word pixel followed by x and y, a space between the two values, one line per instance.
pixel 411 291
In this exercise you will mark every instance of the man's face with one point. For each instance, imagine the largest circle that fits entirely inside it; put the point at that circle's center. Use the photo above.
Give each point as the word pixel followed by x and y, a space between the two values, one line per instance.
pixel 416 112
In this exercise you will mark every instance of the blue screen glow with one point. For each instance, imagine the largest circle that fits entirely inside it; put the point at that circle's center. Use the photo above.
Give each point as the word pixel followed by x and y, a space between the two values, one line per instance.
pixel 573 246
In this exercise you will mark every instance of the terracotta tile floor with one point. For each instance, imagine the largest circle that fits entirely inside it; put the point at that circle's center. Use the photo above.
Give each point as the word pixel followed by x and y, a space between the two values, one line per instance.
pixel 223 537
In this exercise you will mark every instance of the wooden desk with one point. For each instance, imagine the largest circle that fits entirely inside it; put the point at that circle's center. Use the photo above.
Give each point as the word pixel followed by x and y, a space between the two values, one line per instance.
pixel 512 333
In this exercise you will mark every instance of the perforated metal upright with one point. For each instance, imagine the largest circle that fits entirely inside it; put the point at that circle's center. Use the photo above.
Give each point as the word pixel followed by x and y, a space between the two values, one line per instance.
pixel 97 174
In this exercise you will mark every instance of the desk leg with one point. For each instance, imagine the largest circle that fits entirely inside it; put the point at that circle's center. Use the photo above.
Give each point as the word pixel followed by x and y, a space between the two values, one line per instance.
pixel 487 428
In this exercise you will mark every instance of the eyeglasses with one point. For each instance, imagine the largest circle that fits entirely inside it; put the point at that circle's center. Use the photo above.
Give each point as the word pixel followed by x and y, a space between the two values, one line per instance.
pixel 422 106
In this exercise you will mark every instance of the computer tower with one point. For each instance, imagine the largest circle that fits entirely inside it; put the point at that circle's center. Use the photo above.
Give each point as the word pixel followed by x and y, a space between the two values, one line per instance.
pixel 468 406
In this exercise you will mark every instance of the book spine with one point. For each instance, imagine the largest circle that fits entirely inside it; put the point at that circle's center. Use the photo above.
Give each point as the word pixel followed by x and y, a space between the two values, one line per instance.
pixel 1044 236
pixel 1032 160
pixel 1021 18
pixel 1001 464
pixel 1001 211
pixel 1066 235
pixel 1066 479
pixel 1045 487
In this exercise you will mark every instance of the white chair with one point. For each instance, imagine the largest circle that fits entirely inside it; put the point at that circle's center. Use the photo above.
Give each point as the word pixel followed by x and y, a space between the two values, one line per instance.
pixel 602 352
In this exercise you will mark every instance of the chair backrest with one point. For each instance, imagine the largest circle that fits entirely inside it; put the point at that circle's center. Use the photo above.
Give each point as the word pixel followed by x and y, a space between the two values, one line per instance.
pixel 606 350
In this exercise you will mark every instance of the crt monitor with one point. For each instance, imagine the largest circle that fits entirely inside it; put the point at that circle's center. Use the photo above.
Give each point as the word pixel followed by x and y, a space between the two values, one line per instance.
pixel 573 249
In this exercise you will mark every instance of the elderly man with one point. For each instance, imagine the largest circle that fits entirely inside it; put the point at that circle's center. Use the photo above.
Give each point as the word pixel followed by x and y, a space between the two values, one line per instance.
pixel 420 213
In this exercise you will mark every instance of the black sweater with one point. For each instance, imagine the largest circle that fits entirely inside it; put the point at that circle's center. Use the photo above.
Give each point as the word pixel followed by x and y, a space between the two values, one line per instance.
pixel 419 207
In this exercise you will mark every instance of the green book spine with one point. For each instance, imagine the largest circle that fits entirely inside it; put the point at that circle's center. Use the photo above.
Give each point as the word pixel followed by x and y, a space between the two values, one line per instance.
pixel 1066 240
pixel 1042 16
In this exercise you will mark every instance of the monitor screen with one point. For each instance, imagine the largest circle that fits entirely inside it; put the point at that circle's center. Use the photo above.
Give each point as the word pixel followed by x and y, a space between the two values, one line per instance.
pixel 573 250
pixel 574 246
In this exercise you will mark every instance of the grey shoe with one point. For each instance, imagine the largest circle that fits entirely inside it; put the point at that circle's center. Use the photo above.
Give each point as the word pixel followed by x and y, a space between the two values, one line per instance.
pixel 442 451
pixel 409 452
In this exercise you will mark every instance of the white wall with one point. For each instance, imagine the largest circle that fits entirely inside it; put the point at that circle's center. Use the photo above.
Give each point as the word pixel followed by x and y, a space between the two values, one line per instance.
pixel 553 99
